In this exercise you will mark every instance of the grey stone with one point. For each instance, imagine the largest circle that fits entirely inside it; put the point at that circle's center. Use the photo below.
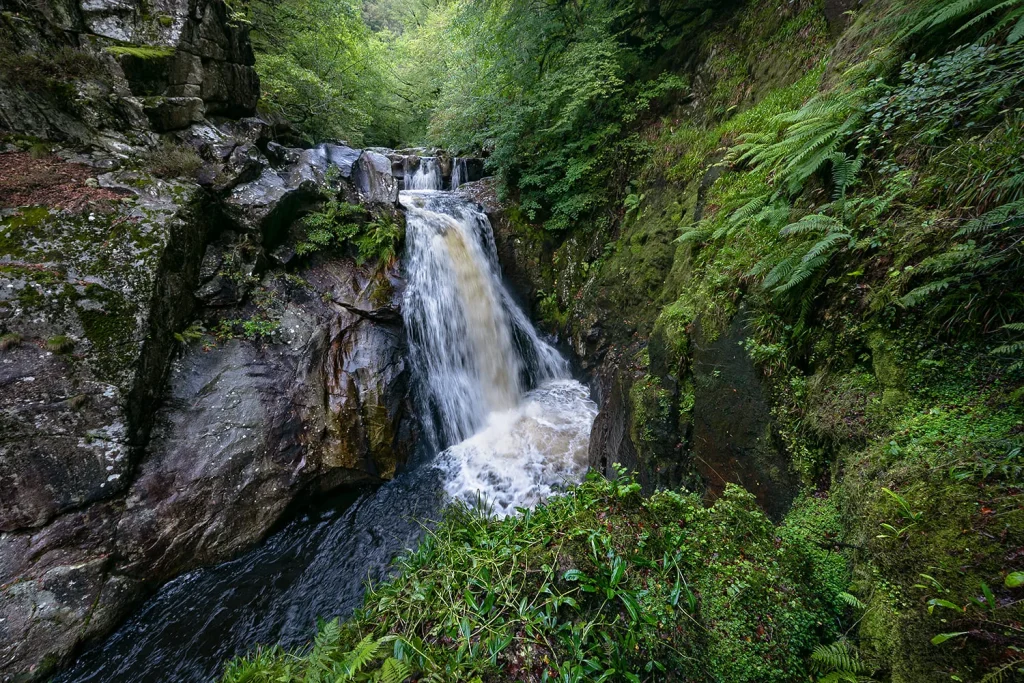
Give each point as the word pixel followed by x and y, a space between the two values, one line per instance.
pixel 174 113
pixel 373 179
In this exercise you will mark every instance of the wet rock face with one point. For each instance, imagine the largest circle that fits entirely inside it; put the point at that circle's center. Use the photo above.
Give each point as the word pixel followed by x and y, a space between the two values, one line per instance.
pixel 110 485
pixel 268 204
pixel 374 179
pixel 90 299
pixel 247 426
pixel 733 439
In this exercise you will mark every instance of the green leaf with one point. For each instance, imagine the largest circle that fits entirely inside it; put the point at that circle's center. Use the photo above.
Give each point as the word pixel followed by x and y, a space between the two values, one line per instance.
pixel 1014 580
pixel 939 602
pixel 943 637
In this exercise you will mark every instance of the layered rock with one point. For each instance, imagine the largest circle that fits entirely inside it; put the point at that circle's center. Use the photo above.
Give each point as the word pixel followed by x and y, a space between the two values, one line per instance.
pixel 103 496
pixel 110 72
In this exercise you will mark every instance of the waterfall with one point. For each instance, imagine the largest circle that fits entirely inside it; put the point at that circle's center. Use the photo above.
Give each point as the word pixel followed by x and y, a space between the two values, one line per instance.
pixel 458 172
pixel 426 176
pixel 497 400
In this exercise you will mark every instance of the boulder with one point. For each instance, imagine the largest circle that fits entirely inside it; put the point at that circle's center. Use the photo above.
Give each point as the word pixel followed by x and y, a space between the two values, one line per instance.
pixel 268 204
pixel 373 178
pixel 173 113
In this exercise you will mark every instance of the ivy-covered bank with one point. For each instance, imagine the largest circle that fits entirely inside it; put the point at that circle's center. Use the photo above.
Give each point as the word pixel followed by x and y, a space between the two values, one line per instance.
pixel 808 282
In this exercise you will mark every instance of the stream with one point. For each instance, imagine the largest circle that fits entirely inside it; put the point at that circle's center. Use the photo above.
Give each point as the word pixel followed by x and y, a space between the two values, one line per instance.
pixel 497 405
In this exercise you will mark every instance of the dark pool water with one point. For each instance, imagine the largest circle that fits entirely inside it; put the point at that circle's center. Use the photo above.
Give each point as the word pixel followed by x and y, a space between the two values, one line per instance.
pixel 315 566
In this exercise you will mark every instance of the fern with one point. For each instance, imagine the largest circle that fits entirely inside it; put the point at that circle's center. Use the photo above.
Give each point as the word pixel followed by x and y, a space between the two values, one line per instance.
pixel 852 600
pixel 811 137
pixel 360 656
pixel 1003 673
pixel 977 275
pixel 844 172
pixel 393 671
pixel 1013 349
pixel 962 16
pixel 839 659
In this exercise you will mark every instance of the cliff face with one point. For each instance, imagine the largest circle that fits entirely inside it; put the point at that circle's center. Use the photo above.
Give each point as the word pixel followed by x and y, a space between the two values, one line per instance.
pixel 109 74
pixel 172 375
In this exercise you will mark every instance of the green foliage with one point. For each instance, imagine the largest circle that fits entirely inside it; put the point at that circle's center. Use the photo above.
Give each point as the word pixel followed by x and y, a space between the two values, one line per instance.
pixel 987 19
pixel 812 136
pixel 598 584
pixel 338 224
pixel 259 326
pixel 192 333
pixel 368 661
pixel 9 341
pixel 60 344
pixel 963 91
pixel 322 68
pixel 543 88
pixel 839 661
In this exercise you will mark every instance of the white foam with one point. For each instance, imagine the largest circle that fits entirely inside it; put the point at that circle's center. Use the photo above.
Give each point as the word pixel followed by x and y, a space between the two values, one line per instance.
pixel 525 454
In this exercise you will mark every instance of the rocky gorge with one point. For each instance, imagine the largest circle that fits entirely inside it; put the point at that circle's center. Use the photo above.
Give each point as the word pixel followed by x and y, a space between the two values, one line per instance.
pixel 128 452
pixel 177 375
pixel 243 368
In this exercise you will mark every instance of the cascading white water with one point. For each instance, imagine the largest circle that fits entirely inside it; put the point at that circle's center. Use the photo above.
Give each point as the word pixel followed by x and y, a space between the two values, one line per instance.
pixel 458 172
pixel 497 398
pixel 426 176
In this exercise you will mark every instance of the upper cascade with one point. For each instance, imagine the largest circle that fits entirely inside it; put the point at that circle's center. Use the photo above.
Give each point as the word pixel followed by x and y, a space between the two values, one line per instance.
pixel 426 176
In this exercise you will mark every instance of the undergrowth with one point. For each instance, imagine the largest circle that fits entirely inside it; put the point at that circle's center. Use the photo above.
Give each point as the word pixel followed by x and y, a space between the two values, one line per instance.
pixel 598 584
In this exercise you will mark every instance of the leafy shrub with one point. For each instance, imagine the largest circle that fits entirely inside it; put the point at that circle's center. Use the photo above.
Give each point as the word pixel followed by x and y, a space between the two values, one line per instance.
pixel 339 224
pixel 598 584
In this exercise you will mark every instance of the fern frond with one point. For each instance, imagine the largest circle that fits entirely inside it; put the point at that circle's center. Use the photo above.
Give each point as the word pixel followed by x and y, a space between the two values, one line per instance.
pixel 919 294
pixel 844 172
pixel 360 656
pixel 1018 31
pixel 953 10
pixel 825 246
pixel 780 272
pixel 814 222
pixel 852 600
pixel 748 210
pixel 803 272
pixel 1012 349
pixel 998 675
pixel 393 671
pixel 839 656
